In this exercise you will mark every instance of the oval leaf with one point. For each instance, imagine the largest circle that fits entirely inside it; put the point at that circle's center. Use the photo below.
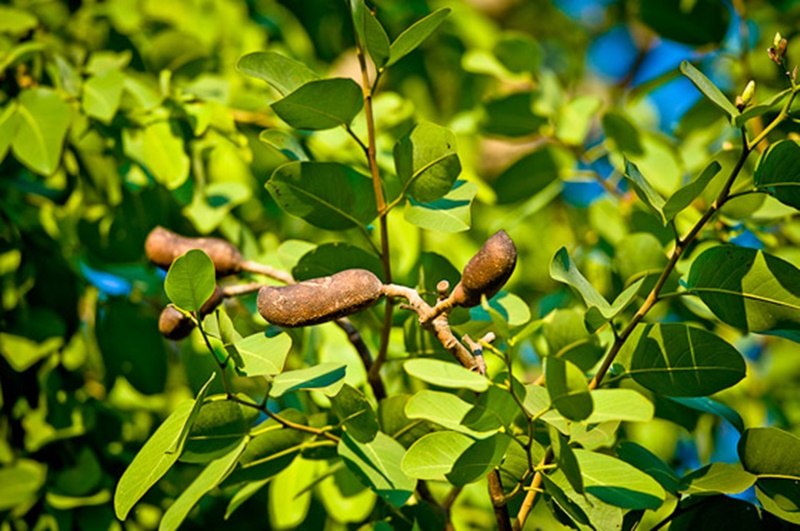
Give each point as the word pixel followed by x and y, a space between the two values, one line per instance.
pixel 749 289
pixel 283 73
pixel 678 360
pixel 478 460
pixel 569 392
pixel 770 452
pixel 445 374
pixel 190 280
pixel 427 162
pixel 618 483
pixel 778 172
pixel 319 377
pixel 42 122
pixel 708 88
pixel 414 35
pixel 262 355
pixel 451 213
pixel 433 456
pixel 326 194
pixel 321 104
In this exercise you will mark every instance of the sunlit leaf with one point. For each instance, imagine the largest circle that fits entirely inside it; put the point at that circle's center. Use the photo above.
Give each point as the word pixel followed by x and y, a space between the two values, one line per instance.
pixel 433 456
pixel 690 191
pixel 451 213
pixel 480 458
pixel 717 478
pixel 377 464
pixel 283 73
pixel 645 191
pixel 190 280
pixel 446 374
pixel 618 483
pixel 263 355
pixel 568 389
pixel 427 162
pixel 370 32
pixel 42 122
pixel 708 88
pixel 416 34
pixel 770 452
pixel 320 377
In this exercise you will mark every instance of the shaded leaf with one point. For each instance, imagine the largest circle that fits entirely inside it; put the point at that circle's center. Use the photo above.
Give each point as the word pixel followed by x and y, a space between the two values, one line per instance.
pixel 563 269
pixel 220 425
pixel 321 104
pixel 370 33
pixel 707 405
pixel 690 191
pixel 770 452
pixel 263 355
pixel 330 258
pixel 564 502
pixel 717 478
pixel 377 465
pixel 568 389
pixel 478 460
pixel 648 462
pixel 284 143
pixel 319 377
pixel 678 360
pixel 749 289
pixel 20 483
pixel 445 409
pixel 427 162
pixel 697 23
pixel 778 172
pixel 645 191
pixel 780 497
pixel 326 194
pixel 354 410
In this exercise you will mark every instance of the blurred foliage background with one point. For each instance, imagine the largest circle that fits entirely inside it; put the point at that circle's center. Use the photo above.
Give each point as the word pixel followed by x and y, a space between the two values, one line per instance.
pixel 120 115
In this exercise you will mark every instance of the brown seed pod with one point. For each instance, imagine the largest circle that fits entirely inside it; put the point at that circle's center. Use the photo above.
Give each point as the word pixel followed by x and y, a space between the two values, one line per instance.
pixel 319 300
pixel 175 325
pixel 164 246
pixel 487 271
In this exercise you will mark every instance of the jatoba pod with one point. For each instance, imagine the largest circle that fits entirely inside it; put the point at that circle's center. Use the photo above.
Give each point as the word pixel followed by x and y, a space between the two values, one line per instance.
pixel 487 271
pixel 164 246
pixel 319 300
pixel 175 325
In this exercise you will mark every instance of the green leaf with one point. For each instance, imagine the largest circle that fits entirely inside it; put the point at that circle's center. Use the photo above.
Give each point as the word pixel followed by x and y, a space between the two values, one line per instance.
pixel 243 494
pixel 8 127
pixel 446 374
pixel 478 460
pixel 22 353
pixel 319 377
pixel 537 399
pixel 690 191
pixel 16 21
pixel 696 23
pixel 674 359
pixel 152 461
pixel 263 355
pixel 330 258
pixel 770 452
pixel 284 143
pixel 707 405
pixel 717 511
pixel 618 483
pixel 272 450
pixel 564 502
pixel 282 73
pixel 494 410
pixel 759 110
pixel 370 33
pixel 321 104
pixel 563 269
pixel 648 462
pixel 290 495
pixel 576 118
pixel 326 194
pixel 345 498
pixel 356 414
pixel 567 462
pixel 569 392
pixel 211 476
pixel 749 289
pixel 717 478
pixel 220 426
pixel 42 122
pixel 377 465
pixel 199 400
pixel 778 172
pixel 596 317
pixel 102 93
pixel 621 133
pixel 645 191
pixel 708 88
pixel 433 456
pixel 427 162
pixel 780 497
pixel 451 213
pixel 159 149
pixel 190 280
pixel 415 35
pixel 445 409
pixel 531 174
pixel 620 404
pixel 20 482
pixel 511 116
